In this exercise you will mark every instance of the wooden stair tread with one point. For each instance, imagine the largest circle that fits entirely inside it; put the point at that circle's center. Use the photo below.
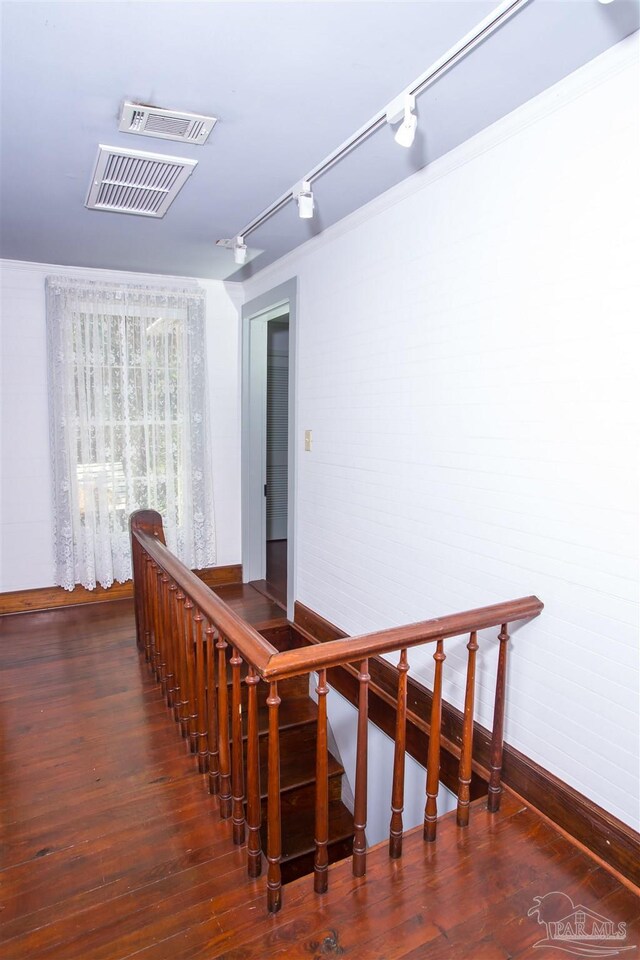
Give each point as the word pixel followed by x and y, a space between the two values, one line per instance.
pixel 293 713
pixel 297 723
pixel 298 833
pixel 297 760
pixel 298 827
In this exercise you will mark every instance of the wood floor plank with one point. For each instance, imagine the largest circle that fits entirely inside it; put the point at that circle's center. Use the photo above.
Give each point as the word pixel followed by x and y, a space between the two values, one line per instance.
pixel 96 862
pixel 132 914
pixel 68 910
pixel 347 899
pixel 72 824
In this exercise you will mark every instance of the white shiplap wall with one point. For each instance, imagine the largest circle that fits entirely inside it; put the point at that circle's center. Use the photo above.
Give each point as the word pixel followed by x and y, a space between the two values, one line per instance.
pixel 467 361
pixel 25 479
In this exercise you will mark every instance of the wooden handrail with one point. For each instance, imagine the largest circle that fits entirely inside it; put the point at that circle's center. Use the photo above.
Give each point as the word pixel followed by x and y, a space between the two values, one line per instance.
pixel 145 525
pixel 335 652
pixel 186 632
pixel 272 665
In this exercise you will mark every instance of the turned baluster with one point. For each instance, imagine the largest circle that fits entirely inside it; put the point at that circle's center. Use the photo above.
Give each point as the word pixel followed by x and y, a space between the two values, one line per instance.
pixel 212 711
pixel 153 584
pixel 201 693
pixel 169 678
pixel 150 568
pixel 433 758
pixel 155 629
pixel 157 649
pixel 359 865
pixel 274 840
pixel 173 691
pixel 224 795
pixel 321 862
pixel 181 711
pixel 148 626
pixel 189 653
pixel 237 757
pixel 156 641
pixel 397 792
pixel 163 632
pixel 148 607
pixel 254 808
pixel 183 705
pixel 493 801
pixel 137 567
pixel 464 777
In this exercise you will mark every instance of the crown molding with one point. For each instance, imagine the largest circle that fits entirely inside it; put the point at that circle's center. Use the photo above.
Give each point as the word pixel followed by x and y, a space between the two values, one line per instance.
pixel 99 273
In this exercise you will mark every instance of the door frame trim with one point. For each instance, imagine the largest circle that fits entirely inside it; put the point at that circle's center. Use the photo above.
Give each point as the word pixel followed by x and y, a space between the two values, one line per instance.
pixel 253 432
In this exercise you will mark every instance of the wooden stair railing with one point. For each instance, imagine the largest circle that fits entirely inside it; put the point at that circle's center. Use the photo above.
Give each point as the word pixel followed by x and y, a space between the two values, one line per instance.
pixel 185 632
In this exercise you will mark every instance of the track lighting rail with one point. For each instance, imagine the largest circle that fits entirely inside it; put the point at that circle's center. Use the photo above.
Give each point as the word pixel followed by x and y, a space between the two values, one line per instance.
pixel 496 19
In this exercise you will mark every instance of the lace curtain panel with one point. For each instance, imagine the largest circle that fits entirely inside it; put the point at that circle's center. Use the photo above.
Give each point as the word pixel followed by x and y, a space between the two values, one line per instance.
pixel 128 422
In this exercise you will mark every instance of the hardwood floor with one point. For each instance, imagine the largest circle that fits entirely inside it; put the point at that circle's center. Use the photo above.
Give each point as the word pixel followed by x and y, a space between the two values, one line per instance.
pixel 275 585
pixel 112 847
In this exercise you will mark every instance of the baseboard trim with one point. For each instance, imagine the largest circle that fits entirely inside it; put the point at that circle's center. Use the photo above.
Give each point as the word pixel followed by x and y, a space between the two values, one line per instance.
pixel 221 576
pixel 613 842
pixel 49 598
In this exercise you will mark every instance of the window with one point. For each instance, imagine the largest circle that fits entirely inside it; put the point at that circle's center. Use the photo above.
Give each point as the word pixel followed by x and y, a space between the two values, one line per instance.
pixel 128 424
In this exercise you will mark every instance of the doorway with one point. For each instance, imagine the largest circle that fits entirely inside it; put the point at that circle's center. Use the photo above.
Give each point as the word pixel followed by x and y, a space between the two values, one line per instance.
pixel 268 449
pixel 277 457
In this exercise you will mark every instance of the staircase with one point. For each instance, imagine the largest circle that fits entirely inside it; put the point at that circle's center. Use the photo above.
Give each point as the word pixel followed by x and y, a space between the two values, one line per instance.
pixel 264 743
pixel 298 717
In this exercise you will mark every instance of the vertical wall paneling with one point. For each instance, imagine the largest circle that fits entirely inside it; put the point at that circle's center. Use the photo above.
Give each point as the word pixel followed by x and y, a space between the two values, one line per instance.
pixel 467 359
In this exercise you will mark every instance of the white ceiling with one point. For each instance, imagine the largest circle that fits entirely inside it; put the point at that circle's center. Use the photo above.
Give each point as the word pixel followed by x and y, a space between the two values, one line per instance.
pixel 289 82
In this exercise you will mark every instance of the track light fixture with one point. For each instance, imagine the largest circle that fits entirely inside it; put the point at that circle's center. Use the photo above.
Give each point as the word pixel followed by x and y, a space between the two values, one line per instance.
pixel 304 196
pixel 401 108
pixel 406 132
pixel 239 250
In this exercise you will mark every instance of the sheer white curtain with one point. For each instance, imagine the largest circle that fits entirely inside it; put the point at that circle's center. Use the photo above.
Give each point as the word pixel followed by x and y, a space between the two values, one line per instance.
pixel 128 420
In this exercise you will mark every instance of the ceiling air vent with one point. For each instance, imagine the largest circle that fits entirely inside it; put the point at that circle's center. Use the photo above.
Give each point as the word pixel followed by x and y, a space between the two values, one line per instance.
pixel 167 124
pixel 132 181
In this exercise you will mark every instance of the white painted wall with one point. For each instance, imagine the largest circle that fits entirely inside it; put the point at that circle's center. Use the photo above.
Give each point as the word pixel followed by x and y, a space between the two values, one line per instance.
pixel 467 360
pixel 25 496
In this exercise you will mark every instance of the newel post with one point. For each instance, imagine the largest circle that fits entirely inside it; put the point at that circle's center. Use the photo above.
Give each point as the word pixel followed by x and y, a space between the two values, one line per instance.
pixel 149 522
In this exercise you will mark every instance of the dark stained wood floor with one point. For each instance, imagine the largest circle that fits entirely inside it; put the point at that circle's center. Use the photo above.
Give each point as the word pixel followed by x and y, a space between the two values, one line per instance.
pixel 274 586
pixel 112 848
